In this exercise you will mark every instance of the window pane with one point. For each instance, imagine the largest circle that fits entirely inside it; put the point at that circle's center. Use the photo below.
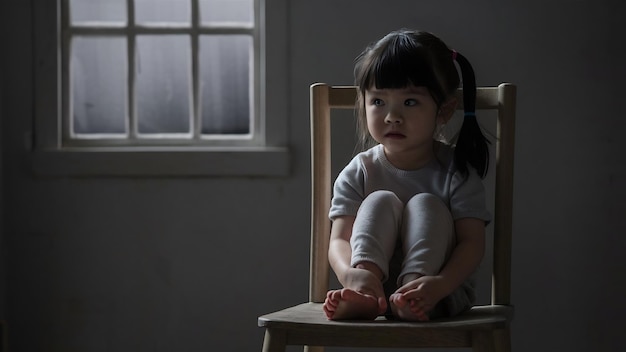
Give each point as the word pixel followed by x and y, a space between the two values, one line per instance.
pixel 163 84
pixel 98 74
pixel 147 11
pixel 225 75
pixel 98 10
pixel 240 11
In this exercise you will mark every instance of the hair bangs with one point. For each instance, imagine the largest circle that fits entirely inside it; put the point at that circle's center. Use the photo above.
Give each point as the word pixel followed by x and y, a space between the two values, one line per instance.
pixel 399 63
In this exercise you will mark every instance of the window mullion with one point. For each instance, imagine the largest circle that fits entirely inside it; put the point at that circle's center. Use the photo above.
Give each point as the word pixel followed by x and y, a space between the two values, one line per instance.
pixel 66 125
pixel 131 52
pixel 257 111
pixel 196 122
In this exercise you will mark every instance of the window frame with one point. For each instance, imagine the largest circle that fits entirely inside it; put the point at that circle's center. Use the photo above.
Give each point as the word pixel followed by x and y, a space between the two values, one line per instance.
pixel 268 156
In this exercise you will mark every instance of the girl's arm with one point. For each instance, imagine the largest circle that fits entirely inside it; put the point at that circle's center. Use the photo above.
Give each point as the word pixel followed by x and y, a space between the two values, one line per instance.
pixel 468 253
pixel 365 278
pixel 339 250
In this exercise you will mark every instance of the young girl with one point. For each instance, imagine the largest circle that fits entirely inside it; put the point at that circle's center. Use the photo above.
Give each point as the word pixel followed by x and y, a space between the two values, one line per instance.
pixel 409 213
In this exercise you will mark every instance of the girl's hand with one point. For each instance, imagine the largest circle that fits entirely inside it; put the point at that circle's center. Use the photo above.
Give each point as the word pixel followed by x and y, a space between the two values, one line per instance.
pixel 424 293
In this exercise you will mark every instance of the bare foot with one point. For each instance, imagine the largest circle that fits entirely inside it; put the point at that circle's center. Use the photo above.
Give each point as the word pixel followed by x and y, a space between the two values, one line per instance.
pixel 347 304
pixel 406 309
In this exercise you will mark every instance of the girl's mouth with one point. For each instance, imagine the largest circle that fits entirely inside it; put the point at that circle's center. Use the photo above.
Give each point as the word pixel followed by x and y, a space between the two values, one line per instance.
pixel 394 135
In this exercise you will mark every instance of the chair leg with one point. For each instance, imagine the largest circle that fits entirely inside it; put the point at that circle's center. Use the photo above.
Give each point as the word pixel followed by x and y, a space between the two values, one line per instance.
pixel 483 341
pixel 274 341
pixel 503 340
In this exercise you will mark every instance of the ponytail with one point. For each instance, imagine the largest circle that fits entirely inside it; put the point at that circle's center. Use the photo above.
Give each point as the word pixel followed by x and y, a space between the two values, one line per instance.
pixel 471 146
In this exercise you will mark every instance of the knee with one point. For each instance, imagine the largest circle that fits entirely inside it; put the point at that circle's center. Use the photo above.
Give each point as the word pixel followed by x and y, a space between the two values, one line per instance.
pixel 382 202
pixel 384 197
pixel 428 200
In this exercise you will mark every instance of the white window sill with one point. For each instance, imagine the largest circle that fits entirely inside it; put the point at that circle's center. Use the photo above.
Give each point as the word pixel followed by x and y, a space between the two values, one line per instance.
pixel 161 162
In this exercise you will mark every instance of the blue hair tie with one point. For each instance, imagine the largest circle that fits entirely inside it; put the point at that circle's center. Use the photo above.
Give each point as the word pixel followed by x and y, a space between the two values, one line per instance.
pixel 470 114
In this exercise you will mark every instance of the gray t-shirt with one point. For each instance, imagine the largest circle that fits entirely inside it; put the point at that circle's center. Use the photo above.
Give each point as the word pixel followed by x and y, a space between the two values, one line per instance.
pixel 370 171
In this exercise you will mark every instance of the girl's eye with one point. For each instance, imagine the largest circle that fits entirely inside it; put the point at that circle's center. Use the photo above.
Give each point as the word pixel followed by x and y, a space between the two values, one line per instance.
pixel 410 102
pixel 377 102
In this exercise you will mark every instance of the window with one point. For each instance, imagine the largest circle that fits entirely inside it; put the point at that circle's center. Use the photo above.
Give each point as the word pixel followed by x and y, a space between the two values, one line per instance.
pixel 160 87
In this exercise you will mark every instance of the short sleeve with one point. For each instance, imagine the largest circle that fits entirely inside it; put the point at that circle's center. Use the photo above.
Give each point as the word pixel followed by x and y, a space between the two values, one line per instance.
pixel 348 190
pixel 467 197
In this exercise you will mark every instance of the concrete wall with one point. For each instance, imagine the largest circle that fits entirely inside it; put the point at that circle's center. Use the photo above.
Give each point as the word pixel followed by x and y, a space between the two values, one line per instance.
pixel 99 264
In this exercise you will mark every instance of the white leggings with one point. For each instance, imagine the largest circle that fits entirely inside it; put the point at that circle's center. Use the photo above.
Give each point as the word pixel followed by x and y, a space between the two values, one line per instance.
pixel 425 229
pixel 424 226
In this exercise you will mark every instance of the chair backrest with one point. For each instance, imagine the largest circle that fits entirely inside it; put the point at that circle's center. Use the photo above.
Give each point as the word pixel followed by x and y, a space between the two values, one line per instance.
pixel 325 98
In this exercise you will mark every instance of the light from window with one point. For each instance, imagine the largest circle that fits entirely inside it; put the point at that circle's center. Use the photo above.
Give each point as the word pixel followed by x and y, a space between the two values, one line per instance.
pixel 99 70
pixel 151 71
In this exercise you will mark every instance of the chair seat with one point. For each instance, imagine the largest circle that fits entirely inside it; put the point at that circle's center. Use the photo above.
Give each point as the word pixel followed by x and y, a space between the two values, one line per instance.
pixel 307 322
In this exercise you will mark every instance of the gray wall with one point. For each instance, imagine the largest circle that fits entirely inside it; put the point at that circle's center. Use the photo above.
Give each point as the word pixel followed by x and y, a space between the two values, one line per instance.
pixel 188 264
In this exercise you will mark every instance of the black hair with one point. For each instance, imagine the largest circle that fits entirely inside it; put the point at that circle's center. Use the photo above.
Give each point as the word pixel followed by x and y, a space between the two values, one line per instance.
pixel 471 145
pixel 415 58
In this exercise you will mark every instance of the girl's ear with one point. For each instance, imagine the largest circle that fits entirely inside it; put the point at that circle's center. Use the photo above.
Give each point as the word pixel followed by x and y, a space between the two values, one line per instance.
pixel 447 109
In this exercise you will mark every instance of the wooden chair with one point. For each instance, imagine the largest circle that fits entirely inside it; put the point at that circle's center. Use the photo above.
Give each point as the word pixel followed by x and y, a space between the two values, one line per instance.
pixel 483 328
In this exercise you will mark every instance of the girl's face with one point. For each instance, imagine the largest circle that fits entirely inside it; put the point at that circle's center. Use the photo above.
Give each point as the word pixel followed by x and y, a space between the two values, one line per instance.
pixel 403 121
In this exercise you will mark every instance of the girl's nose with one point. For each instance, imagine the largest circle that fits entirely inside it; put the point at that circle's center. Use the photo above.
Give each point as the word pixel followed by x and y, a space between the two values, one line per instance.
pixel 393 118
